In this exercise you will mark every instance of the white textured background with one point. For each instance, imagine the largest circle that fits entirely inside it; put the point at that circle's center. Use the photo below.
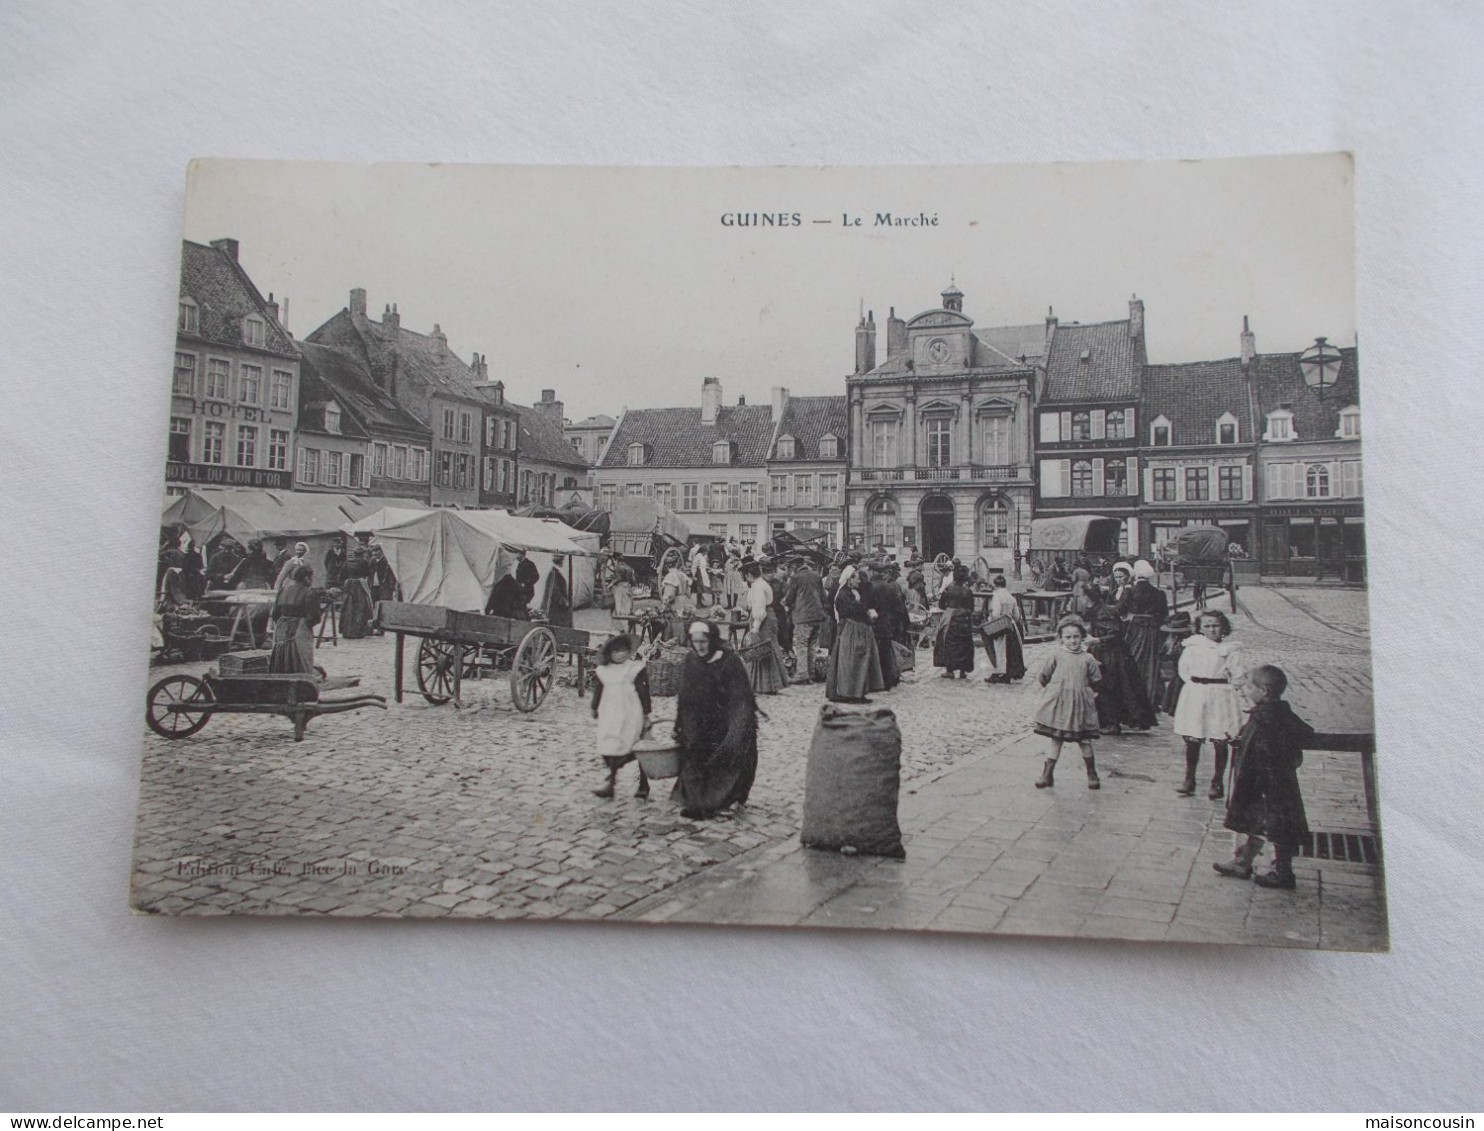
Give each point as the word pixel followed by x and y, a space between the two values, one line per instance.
pixel 102 104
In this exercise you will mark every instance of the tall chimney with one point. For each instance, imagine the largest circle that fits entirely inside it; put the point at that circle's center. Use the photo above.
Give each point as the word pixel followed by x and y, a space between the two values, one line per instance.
pixel 1051 324
pixel 865 343
pixel 780 402
pixel 440 340
pixel 710 400
pixel 896 335
pixel 391 319
pixel 272 307
pixel 1136 317
pixel 358 302
pixel 227 245
pixel 549 407
pixel 1249 344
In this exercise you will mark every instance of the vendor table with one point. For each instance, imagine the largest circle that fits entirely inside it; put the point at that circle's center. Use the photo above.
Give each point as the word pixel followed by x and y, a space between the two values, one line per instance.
pixel 1042 609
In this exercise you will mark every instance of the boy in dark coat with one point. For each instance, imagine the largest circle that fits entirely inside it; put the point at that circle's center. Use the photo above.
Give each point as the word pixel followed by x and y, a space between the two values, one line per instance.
pixel 1265 799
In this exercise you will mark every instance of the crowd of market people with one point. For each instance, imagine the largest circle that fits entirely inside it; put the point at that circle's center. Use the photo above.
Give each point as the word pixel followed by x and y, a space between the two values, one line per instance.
pixel 1120 660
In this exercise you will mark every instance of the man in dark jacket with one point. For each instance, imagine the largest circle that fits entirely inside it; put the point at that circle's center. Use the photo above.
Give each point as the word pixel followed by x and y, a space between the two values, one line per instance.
pixel 804 598
pixel 527 574
pixel 890 622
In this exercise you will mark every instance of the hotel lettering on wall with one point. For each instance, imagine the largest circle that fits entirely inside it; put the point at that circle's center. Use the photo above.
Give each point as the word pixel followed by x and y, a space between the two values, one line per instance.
pixel 223 475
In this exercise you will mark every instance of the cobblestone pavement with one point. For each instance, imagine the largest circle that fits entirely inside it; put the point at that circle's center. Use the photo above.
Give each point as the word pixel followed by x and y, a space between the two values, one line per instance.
pixel 427 811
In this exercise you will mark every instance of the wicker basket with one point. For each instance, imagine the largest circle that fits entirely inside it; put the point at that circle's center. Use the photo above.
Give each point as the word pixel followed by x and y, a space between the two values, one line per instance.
pixel 664 675
pixel 659 761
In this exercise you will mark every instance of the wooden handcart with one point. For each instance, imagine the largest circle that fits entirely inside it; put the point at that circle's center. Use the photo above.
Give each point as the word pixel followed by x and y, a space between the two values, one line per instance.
pixel 456 646
pixel 180 705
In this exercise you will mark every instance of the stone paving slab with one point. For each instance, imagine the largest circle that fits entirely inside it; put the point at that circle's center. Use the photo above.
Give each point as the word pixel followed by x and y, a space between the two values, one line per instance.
pixel 1086 867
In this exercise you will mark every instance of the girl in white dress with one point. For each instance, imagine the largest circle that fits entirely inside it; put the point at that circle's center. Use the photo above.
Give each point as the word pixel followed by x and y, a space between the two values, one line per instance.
pixel 1208 707
pixel 621 705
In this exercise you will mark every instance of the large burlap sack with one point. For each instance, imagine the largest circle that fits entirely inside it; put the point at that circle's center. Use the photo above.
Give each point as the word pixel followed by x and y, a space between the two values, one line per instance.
pixel 906 658
pixel 850 789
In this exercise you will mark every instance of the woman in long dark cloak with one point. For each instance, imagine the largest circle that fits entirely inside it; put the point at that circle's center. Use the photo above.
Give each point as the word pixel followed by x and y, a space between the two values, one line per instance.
pixel 1121 697
pixel 715 727
pixel 953 649
pixel 1144 609
pixel 854 668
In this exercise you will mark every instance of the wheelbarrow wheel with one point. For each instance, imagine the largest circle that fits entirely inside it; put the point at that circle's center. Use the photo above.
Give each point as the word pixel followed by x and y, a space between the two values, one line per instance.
pixel 170 709
pixel 534 669
pixel 435 661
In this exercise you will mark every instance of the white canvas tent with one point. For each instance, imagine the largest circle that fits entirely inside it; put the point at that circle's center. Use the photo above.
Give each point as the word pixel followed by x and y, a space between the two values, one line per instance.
pixel 245 514
pixel 453 558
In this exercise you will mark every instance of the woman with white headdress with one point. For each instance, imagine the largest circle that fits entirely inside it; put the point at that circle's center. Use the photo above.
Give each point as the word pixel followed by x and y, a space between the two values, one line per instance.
pixel 854 669
pixel 715 726
pixel 1144 609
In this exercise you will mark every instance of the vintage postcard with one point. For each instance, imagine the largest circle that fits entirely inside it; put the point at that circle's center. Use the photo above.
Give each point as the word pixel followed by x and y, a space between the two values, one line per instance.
pixel 973 549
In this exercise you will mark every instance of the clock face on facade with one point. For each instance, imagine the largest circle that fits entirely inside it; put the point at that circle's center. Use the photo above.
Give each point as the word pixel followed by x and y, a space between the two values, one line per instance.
pixel 937 350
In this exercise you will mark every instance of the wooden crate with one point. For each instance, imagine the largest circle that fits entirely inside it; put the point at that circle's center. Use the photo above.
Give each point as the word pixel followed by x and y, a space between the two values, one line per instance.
pixel 398 616
pixel 244 662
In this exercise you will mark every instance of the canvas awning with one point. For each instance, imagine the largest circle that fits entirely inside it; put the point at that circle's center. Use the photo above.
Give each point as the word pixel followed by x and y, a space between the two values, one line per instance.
pixel 1089 533
pixel 453 558
pixel 645 516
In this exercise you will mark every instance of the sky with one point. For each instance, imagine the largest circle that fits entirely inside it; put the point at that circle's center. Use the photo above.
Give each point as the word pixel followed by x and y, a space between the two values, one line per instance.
pixel 625 287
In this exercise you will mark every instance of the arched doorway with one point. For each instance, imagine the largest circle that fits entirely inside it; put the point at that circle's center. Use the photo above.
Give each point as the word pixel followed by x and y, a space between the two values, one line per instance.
pixel 937 526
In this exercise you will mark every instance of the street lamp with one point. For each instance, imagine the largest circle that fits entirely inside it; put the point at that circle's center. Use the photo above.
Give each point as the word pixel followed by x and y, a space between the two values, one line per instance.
pixel 1320 365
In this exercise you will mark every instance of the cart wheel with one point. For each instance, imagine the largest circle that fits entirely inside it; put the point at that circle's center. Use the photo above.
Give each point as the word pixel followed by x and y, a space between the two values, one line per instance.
pixel 177 689
pixel 435 661
pixel 532 673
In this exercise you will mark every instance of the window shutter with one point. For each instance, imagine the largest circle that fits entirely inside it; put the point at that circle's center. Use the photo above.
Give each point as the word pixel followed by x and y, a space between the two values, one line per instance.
pixel 1050 432
pixel 1097 477
pixel 1129 423
pixel 1246 482
pixel 1050 478
pixel 1149 484
pixel 1066 426
pixel 1131 483
pixel 1099 425
pixel 732 493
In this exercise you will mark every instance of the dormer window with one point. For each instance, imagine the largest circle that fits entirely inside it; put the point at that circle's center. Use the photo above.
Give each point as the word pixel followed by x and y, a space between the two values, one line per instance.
pixel 1226 429
pixel 829 447
pixel 332 417
pixel 1280 427
pixel 1159 432
pixel 785 447
pixel 721 452
pixel 254 331
pixel 636 455
pixel 1349 428
pixel 188 321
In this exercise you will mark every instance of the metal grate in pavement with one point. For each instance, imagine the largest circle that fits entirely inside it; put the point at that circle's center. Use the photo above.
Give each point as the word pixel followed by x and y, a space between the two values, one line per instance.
pixel 1355 848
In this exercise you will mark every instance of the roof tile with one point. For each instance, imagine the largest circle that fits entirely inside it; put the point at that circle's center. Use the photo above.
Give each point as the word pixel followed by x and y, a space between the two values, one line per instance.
pixel 1110 373
pixel 224 295
pixel 808 420
pixel 676 437
pixel 1194 395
